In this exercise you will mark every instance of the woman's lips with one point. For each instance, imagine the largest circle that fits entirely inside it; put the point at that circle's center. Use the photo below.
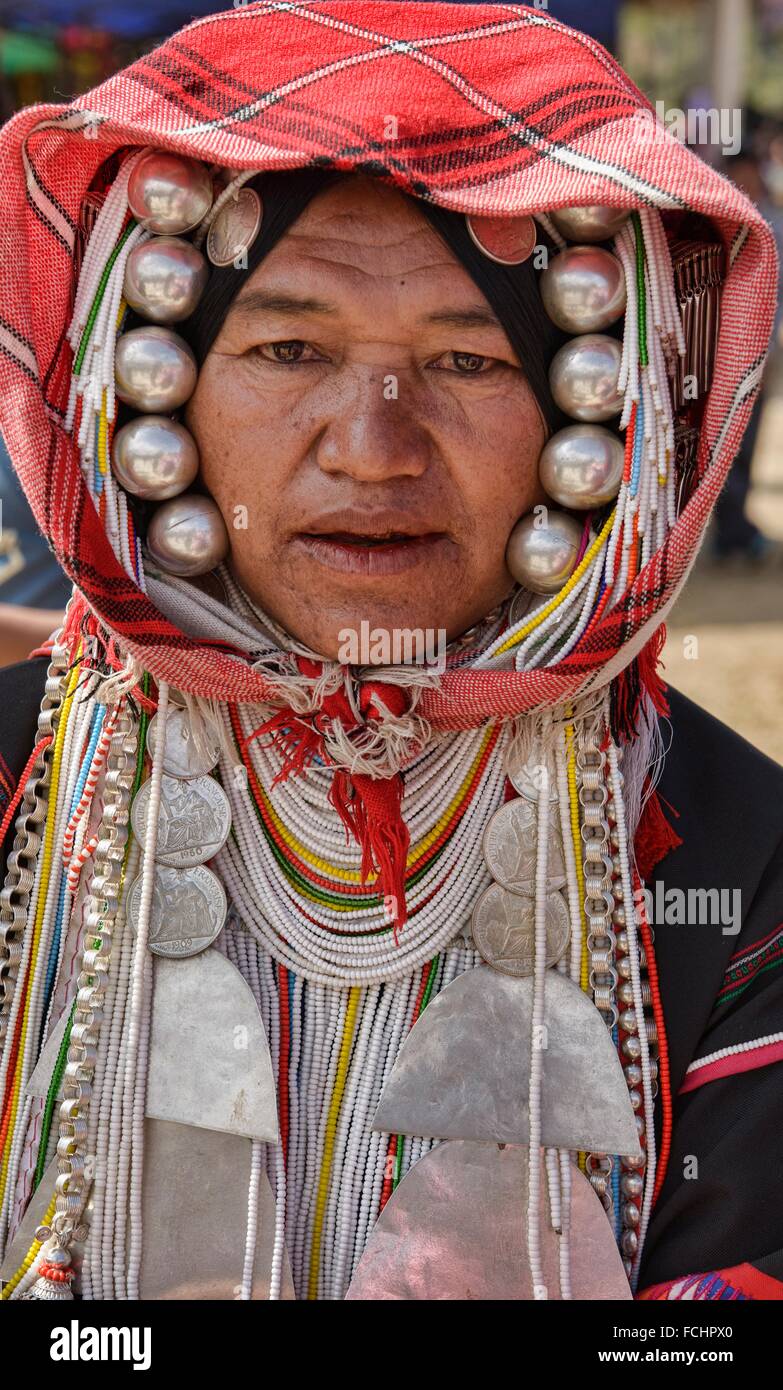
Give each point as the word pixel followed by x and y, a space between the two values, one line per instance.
pixel 371 555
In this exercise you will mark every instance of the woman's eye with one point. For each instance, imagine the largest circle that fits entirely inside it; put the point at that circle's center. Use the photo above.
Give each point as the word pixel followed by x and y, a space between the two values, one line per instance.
pixel 466 363
pixel 291 350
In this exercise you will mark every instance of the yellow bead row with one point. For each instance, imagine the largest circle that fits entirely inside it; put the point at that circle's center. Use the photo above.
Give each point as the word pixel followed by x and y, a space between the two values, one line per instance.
pixel 416 853
pixel 8 1288
pixel 550 607
pixel 331 1130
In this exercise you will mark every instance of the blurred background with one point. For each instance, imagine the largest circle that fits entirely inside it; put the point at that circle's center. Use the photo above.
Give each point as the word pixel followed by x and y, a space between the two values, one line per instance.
pixel 686 54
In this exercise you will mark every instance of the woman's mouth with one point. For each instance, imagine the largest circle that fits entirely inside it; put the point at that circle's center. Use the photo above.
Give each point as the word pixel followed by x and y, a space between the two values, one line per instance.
pixel 369 554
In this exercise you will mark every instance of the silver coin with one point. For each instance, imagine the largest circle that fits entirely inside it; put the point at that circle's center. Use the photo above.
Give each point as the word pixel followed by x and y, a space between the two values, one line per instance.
pixel 194 819
pixel 520 606
pixel 526 778
pixel 504 930
pixel 235 228
pixel 185 756
pixel 510 847
pixel 188 910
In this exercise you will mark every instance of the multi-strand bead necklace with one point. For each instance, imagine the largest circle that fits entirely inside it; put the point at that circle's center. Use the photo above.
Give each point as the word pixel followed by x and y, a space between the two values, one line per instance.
pixel 337 995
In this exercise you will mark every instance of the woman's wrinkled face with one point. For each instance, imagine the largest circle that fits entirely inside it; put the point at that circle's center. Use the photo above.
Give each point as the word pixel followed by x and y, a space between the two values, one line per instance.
pixel 365 427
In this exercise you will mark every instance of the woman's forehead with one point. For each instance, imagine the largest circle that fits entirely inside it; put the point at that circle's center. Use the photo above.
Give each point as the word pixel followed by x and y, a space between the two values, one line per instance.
pixel 362 224
pixel 300 278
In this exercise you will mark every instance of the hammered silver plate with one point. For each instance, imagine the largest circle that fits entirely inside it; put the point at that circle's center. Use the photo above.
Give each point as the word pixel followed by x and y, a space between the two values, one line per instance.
pixel 194 1216
pixel 456 1229
pixel 463 1071
pixel 209 1062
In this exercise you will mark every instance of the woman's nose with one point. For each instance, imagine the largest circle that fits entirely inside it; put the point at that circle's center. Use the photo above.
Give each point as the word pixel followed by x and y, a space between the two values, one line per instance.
pixel 373 433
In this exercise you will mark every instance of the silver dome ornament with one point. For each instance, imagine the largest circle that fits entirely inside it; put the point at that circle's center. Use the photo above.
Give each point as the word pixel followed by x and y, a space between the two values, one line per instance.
pixel 542 551
pixel 169 193
pixel 583 377
pixel 165 279
pixel 583 289
pixel 582 466
pixel 154 458
pixel 154 369
pixel 188 536
pixel 591 223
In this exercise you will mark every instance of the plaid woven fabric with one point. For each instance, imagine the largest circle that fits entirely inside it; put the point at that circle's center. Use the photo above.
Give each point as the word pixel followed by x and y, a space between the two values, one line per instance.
pixel 499 109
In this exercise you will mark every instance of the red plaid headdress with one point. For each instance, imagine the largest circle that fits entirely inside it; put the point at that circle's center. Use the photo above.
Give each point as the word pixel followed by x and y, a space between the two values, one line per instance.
pixel 499 110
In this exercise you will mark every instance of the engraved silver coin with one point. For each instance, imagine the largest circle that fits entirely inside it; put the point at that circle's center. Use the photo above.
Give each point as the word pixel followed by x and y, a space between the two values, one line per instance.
pixel 504 930
pixel 526 778
pixel 235 228
pixel 185 755
pixel 510 847
pixel 194 819
pixel 520 606
pixel 188 910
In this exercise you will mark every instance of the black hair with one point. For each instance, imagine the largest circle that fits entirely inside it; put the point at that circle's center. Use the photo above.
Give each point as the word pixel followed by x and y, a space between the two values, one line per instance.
pixel 512 291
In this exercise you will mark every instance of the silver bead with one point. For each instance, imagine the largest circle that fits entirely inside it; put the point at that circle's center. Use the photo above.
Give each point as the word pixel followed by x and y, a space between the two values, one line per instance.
pixel 154 369
pixel 583 377
pixel 628 1021
pixel 635 1097
pixel 165 278
pixel 169 193
pixel 634 1161
pixel 154 457
pixel 188 536
pixel 631 1214
pixel 619 918
pixel 582 466
pixel 583 289
pixel 621 938
pixel 625 992
pixel 541 552
pixel 632 1047
pixel 631 1185
pixel 58 1258
pixel 591 223
pixel 630 1242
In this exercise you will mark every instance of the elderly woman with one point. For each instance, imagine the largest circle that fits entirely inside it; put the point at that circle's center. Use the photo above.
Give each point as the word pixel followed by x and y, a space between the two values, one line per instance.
pixel 373 369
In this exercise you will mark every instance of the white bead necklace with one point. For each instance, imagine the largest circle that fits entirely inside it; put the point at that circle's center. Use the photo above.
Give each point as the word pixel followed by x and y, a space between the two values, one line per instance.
pixel 320 941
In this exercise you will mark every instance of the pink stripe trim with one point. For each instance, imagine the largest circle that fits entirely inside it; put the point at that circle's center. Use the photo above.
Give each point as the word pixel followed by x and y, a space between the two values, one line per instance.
pixel 729 1066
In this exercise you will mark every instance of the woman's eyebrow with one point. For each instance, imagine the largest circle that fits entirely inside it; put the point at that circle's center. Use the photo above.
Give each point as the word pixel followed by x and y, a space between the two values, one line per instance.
pixel 260 301
pixel 476 316
pixel 276 302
